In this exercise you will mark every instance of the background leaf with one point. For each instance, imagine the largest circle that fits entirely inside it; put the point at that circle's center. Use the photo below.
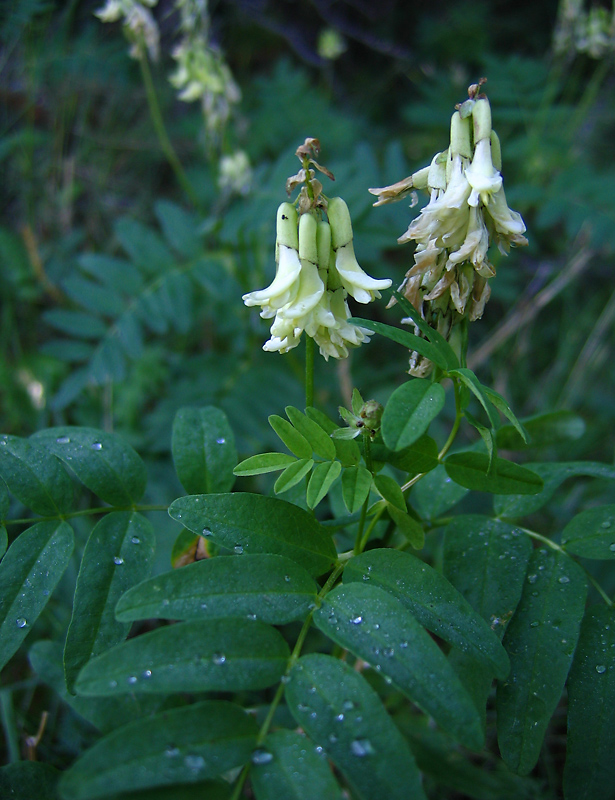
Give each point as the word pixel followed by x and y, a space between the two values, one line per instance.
pixel 204 450
pixel 118 554
pixel 338 709
pixel 180 745
pixel 225 655
pixel 436 493
pixel 471 471
pixel 267 587
pixel 29 572
pixel 102 461
pixel 356 484
pixel 543 429
pixel 591 533
pixel 256 524
pixel 24 780
pixel 409 411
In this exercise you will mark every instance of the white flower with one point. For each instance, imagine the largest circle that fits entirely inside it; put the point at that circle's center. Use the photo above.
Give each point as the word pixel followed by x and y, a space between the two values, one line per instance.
pixel 310 290
pixel 484 179
pixel 284 287
pixel 357 283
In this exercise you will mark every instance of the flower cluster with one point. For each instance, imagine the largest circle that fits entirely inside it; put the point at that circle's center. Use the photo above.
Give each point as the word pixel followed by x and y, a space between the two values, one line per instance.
pixel 589 31
pixel 316 271
pixel 139 24
pixel 467 211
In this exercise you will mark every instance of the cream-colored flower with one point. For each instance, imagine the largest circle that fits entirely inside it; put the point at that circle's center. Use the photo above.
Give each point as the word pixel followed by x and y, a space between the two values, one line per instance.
pixel 284 287
pixel 482 176
pixel 357 283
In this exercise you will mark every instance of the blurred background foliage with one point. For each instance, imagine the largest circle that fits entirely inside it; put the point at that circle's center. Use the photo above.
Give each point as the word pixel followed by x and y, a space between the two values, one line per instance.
pixel 121 299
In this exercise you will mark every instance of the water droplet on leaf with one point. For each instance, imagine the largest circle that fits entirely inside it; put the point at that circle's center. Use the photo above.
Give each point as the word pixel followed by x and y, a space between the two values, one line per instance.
pixel 261 756
pixel 361 748
pixel 117 560
pixel 218 658
pixel 21 622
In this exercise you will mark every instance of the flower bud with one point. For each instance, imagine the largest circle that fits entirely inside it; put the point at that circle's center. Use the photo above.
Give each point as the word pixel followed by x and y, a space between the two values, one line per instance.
pixel 496 151
pixel 307 238
pixel 460 136
pixel 481 115
pixel 341 225
pixel 286 226
pixel 323 244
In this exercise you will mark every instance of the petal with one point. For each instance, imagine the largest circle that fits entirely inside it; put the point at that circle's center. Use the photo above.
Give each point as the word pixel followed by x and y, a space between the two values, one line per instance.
pixel 357 283
pixel 280 291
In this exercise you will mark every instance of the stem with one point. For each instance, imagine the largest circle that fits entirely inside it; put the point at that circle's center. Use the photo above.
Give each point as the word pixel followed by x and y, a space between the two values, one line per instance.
pixel 359 537
pixel 309 371
pixel 294 656
pixel 8 725
pixel 456 424
pixel 371 527
pixel 554 546
pixel 161 131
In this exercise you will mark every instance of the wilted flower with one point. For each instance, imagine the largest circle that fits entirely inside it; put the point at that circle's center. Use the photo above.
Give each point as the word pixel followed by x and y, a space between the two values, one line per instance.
pixel 467 212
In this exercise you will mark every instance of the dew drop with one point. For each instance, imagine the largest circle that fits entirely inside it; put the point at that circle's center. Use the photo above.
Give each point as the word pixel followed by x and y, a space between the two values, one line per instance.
pixel 365 577
pixel 285 679
pixel 261 756
pixel 132 679
pixel 117 560
pixel 206 531
pixel 218 658
pixel 21 622
pixel 220 440
pixel 320 750
pixel 238 550
pixel 339 718
pixel 534 624
pixel 135 540
pixel 532 578
pixel 347 705
pixel 606 524
pixel 96 446
pixel 564 579
pixel 612 547
pixel 194 763
pixel 361 748
pixel 251 616
pixel 147 673
pixel 388 652
pixel 63 440
pixel 171 752
pixel 287 578
pixel 600 669
pixel 203 606
pixel 332 738
pixel 112 684
pixel 403 644
pixel 356 620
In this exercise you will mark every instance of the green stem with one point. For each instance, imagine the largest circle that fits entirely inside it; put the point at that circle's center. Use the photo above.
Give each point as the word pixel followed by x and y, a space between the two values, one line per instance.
pixel 161 131
pixel 294 656
pixel 458 415
pixel 309 371
pixel 359 537
pixel 554 546
pixel 8 725
pixel 371 527
pixel 85 513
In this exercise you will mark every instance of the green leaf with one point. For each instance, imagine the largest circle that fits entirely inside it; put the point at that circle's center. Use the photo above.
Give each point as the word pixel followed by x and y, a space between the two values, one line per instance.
pixel 357 402
pixel 409 411
pixel 421 456
pixel 204 451
pixel 292 475
pixel 376 627
pixel 347 452
pixel 502 406
pixel 118 554
pixel 102 461
pixel 289 766
pixel 267 587
pixel 434 602
pixel 488 439
pixel 26 780
pixel 35 477
pixel 321 480
pixel 253 523
pixel 76 323
pixel 431 333
pixel 408 527
pixel 321 443
pixel 470 470
pixel 552 475
pixel 29 572
pixel 540 641
pixel 143 245
pixel 177 746
pixel 218 655
pixel 390 490
pixel 356 484
pixel 295 441
pixel 264 462
pixel 339 711
pixel 436 493
pixel 92 296
pixel 180 228
pixel 406 339
pixel 5 500
pixel 4 540
pixel 589 773
pixel 469 379
pixel 591 533
pixel 543 429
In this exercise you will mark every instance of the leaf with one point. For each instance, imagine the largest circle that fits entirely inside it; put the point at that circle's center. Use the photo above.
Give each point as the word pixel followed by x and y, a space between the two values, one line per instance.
pixel 430 333
pixel 5 500
pixel 267 587
pixel 408 527
pixel 35 477
pixel 25 780
pixel 118 554
pixel 295 441
pixel 502 406
pixel 376 627
pixel 258 524
pixel 203 449
pixel 219 655
pixel 339 710
pixel 405 338
pixel 177 746
pixel 356 484
pixel 553 475
pixel 180 228
pixel 347 452
pixel 409 411
pixel 469 380
pixel 470 470
pixel 289 766
pixel 589 773
pixel 436 493
pixel 488 438
pixel 29 572
pixel 4 540
pixel 321 480
pixel 143 245
pixel 591 533
pixel 292 475
pixel 264 462
pixel 432 600
pixel 543 429
pixel 75 323
pixel 540 641
pixel 92 296
pixel 390 490
pixel 321 443
pixel 103 462
pixel 420 456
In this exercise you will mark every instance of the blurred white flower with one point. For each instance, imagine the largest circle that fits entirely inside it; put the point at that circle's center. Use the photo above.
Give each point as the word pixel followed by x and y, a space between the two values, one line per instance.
pixel 235 175
pixel 139 24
